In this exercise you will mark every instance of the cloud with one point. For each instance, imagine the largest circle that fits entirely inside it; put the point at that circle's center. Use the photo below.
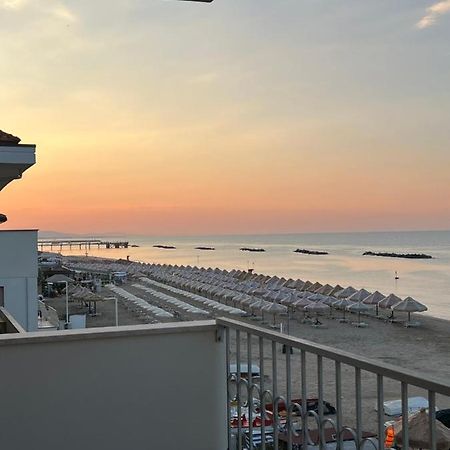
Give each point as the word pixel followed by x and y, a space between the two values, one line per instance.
pixel 45 8
pixel 63 12
pixel 433 14
pixel 12 4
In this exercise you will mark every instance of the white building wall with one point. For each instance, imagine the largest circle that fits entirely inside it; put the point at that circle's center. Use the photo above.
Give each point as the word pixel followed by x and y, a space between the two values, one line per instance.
pixel 143 387
pixel 18 275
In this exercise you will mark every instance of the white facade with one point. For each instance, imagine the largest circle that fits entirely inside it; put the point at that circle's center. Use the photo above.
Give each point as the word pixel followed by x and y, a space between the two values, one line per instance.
pixel 18 248
pixel 18 275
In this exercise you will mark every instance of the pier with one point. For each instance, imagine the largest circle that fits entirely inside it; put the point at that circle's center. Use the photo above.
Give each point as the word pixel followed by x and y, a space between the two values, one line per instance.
pixel 81 243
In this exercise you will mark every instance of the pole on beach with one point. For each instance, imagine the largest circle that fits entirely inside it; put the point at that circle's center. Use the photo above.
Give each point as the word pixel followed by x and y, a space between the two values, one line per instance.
pixel 66 326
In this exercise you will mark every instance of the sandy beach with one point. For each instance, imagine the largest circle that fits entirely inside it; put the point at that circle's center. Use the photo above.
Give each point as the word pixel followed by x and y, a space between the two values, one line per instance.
pixel 425 349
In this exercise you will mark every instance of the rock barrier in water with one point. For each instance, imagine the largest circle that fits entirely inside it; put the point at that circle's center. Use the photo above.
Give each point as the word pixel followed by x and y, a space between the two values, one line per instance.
pixel 399 255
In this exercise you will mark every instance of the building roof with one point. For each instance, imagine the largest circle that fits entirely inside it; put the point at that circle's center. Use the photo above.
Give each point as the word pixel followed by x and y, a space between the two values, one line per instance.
pixel 8 139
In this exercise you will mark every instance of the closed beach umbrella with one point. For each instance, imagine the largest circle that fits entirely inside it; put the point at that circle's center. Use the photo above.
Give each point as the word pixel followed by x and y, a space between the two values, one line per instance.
pixel 359 295
pixel 374 299
pixel 345 293
pixel 409 305
pixel 358 308
pixel 419 432
pixel 335 290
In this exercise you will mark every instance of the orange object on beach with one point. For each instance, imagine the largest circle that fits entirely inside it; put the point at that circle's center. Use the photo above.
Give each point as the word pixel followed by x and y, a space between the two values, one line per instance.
pixel 390 436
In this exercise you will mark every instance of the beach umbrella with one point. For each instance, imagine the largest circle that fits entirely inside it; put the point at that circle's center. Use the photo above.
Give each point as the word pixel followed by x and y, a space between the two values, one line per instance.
pixel 358 308
pixel 345 293
pixel 359 295
pixel 317 307
pixel 342 304
pixel 259 305
pixel 325 289
pixel 409 305
pixel 316 297
pixel 419 432
pixel 289 299
pixel 290 283
pixel 59 278
pixel 390 301
pixel 374 299
pixel 335 290
pixel 301 303
pixel 315 286
pixel 299 284
pixel 260 291
pixel 275 309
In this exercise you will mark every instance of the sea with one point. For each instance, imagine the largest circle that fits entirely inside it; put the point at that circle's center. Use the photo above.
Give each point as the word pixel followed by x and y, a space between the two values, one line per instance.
pixel 426 280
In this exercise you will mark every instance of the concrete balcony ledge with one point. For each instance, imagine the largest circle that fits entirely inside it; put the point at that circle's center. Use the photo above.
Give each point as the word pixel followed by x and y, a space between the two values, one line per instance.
pixel 135 387
pixel 40 337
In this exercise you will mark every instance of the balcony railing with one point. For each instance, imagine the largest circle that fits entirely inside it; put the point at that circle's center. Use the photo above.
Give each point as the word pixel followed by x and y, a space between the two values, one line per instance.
pixel 275 374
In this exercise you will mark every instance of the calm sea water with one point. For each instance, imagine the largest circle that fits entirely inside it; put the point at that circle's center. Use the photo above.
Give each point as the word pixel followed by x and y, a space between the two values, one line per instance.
pixel 426 280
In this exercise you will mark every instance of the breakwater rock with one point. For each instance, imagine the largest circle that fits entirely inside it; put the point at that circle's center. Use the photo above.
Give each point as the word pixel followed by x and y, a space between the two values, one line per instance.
pixel 310 252
pixel 399 255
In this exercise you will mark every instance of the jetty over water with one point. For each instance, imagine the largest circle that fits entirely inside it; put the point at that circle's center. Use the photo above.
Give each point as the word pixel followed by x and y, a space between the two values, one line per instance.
pixel 81 243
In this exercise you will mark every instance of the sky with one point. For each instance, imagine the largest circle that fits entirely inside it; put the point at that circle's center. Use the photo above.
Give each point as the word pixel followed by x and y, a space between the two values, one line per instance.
pixel 237 116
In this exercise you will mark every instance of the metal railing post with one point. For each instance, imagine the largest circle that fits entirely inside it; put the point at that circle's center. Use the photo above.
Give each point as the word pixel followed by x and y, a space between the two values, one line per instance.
pixel 275 394
pixel 238 387
pixel 250 389
pixel 261 388
pixel 288 397
pixel 432 418
pixel 338 405
pixel 380 412
pixel 227 359
pixel 358 396
pixel 405 414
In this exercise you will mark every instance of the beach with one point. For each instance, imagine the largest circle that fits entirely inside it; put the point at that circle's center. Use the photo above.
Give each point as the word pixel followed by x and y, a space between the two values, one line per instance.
pixel 424 349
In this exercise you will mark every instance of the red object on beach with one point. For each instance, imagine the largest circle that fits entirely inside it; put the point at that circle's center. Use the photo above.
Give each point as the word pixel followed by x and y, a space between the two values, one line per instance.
pixel 257 421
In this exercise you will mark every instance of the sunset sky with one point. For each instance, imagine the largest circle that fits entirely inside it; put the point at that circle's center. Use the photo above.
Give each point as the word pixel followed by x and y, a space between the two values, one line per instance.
pixel 239 116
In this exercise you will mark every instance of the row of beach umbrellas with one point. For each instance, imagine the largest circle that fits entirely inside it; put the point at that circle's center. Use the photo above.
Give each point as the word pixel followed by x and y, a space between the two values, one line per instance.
pixel 263 294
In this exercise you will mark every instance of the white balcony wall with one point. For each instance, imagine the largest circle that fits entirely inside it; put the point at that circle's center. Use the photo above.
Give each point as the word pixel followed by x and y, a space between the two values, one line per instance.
pixel 18 275
pixel 143 387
